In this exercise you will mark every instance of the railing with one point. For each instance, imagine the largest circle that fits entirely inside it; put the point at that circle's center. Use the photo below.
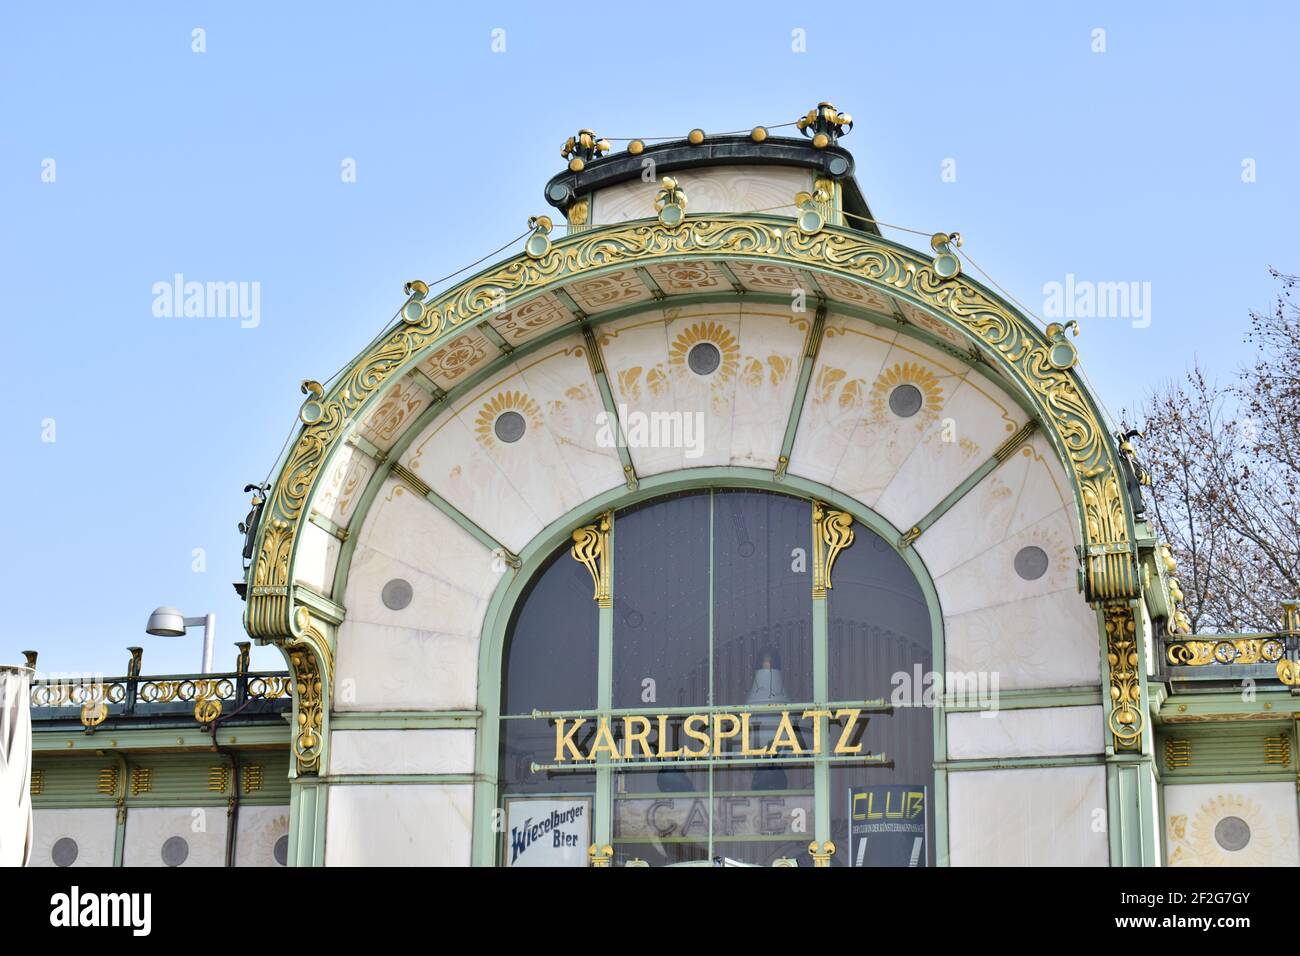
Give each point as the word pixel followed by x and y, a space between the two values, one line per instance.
pixel 134 695
pixel 1280 649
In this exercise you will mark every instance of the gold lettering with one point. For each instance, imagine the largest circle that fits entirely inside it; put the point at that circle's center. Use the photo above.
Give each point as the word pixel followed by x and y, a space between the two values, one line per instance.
pixel 696 735
pixel 786 728
pixel 745 749
pixel 664 752
pixel 719 735
pixel 563 740
pixel 816 716
pixel 638 736
pixel 604 742
pixel 842 747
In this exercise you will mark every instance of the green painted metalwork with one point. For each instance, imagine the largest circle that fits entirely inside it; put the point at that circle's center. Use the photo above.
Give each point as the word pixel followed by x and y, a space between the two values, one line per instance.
pixel 812 348
pixel 511 588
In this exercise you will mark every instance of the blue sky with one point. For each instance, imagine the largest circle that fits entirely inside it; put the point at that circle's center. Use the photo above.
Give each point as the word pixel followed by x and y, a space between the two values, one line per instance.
pixel 1115 166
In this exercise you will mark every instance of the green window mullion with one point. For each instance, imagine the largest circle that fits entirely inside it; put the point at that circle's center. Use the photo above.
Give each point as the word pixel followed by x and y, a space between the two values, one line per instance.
pixel 603 825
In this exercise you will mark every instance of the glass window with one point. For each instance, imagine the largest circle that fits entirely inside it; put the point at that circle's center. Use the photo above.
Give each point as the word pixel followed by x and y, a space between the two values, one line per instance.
pixel 712 616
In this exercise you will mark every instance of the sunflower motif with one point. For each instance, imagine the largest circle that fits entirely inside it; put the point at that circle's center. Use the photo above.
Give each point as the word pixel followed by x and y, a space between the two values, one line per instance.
pixel 493 408
pixel 907 373
pixel 714 333
pixel 1227 830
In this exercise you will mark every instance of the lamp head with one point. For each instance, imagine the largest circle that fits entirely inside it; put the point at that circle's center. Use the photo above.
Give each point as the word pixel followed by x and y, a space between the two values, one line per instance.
pixel 166 622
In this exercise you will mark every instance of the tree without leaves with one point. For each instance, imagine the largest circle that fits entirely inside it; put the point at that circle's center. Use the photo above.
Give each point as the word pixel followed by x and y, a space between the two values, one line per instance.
pixel 1225 475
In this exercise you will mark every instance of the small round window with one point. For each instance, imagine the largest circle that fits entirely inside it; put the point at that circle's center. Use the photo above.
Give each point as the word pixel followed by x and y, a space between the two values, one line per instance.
pixel 704 358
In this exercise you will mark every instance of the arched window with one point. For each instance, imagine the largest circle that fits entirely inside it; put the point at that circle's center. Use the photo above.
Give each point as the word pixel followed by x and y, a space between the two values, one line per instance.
pixel 682 683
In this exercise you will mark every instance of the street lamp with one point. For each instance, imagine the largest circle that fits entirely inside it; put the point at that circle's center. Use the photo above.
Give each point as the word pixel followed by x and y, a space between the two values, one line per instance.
pixel 169 622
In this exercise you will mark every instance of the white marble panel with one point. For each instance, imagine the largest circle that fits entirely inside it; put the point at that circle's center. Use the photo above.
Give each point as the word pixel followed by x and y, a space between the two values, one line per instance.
pixel 849 361
pixel 403 668
pixel 399 825
pixel 560 381
pixel 533 465
pixel 318 554
pixel 635 350
pixel 409 528
pixel 259 832
pixel 1231 824
pixel 704 401
pixel 1031 732
pixel 93 830
pixel 1031 817
pixel 203 830
pixel 434 601
pixel 400 405
pixel 709 189
pixel 1023 490
pixel 771 352
pixel 977 419
pixel 450 459
pixel 402 751
pixel 1039 642
pixel 881 440
pixel 991 577
pixel 343 484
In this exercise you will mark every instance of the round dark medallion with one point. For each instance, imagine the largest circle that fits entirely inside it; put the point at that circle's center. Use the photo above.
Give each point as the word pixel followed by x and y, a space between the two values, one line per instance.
pixel 905 401
pixel 397 594
pixel 64 852
pixel 175 851
pixel 704 358
pixel 1232 833
pixel 510 427
pixel 1031 562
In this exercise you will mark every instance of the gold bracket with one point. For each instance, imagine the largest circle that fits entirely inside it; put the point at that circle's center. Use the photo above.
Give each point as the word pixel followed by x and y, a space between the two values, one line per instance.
pixel 821 853
pixel 1125 718
pixel 832 533
pixel 591 549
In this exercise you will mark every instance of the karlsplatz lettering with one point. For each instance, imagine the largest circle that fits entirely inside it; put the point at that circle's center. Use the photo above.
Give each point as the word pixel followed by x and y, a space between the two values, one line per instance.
pixel 532 831
pixel 711 735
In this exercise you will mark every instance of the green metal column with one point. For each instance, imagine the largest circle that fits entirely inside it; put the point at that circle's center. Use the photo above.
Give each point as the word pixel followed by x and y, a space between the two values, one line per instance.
pixel 603 826
pixel 821 694
pixel 307 802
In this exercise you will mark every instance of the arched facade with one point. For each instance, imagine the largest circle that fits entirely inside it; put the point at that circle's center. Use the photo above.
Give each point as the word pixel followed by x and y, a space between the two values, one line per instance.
pixel 435 477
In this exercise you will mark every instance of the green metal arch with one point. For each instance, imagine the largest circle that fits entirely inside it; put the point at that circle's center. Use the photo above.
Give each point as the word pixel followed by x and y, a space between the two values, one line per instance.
pixel 1006 338
pixel 510 590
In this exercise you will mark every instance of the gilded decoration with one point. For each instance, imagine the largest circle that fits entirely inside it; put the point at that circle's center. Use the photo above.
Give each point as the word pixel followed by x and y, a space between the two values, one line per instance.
pixel 591 550
pixel 1194 840
pixel 714 333
pixel 500 403
pixel 1125 717
pixel 832 532
pixel 1011 343
pixel 908 373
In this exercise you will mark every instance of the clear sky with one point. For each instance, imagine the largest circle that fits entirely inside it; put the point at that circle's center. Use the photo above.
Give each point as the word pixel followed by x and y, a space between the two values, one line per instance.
pixel 227 166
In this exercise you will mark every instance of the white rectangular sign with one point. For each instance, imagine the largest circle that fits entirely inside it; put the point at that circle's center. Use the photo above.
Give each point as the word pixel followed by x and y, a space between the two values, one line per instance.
pixel 547 831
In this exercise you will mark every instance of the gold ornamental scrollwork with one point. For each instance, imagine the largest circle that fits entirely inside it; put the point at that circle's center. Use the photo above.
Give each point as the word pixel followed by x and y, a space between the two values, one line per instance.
pixel 591 550
pixel 311 668
pixel 832 533
pixel 1125 718
pixel 1009 341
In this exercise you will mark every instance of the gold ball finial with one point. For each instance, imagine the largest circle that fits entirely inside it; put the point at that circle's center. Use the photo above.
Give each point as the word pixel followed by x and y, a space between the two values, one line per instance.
pixel 758 134
pixel 576 165
pixel 821 141
pixel 636 147
pixel 695 137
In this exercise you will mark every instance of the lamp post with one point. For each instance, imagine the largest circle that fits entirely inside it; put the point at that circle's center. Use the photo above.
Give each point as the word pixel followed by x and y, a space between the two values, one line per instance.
pixel 169 622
